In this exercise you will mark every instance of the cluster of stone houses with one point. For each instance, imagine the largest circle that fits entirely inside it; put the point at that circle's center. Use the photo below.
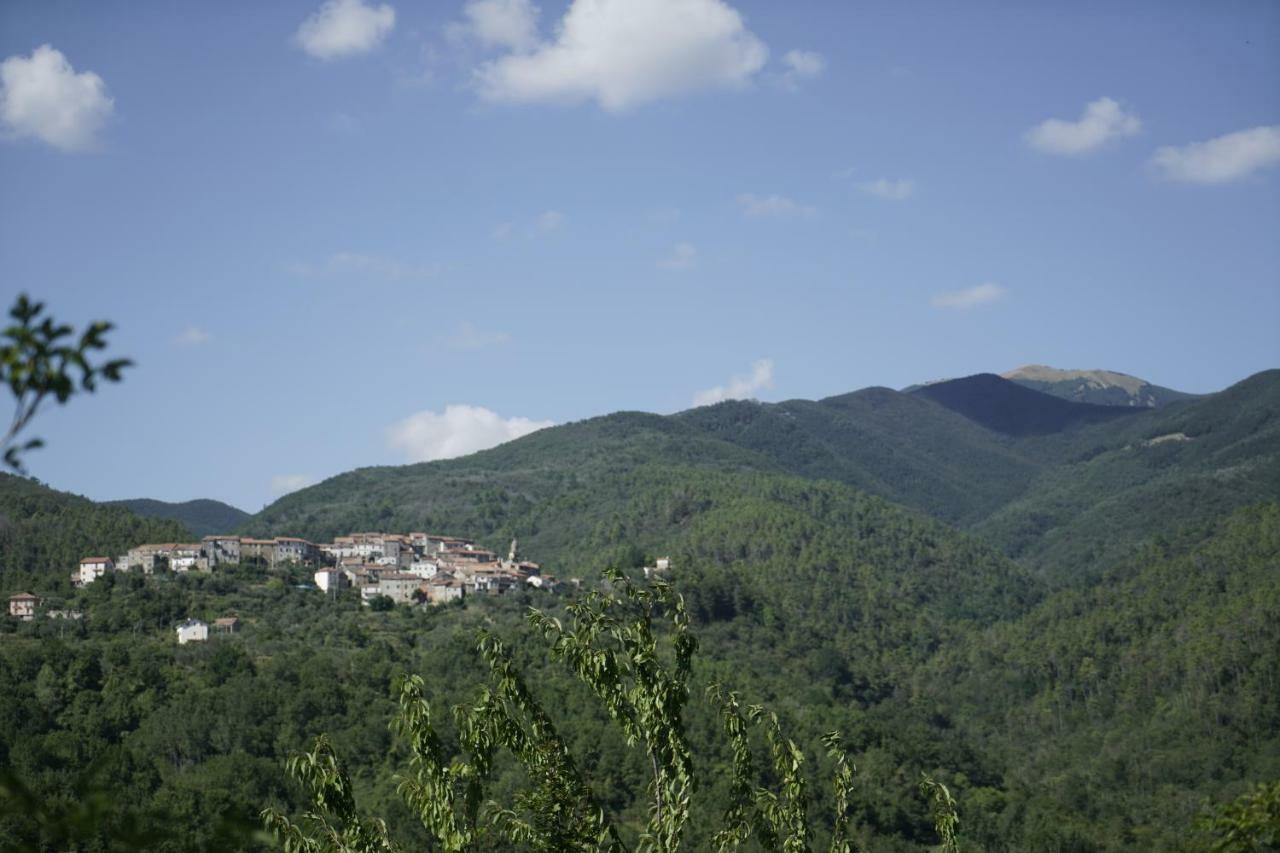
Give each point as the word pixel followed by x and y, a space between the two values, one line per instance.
pixel 423 568
pixel 404 567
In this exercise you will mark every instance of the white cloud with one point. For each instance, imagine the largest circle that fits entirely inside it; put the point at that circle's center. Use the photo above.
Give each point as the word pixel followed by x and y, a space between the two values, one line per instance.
pixel 890 190
pixel 1222 159
pixel 510 24
pixel 343 264
pixel 548 221
pixel 503 230
pixel 801 65
pixel 192 336
pixel 457 431
pixel 739 387
pixel 345 28
pixel 469 337
pixel 283 484
pixel 775 206
pixel 963 300
pixel 1101 121
pixel 43 97
pixel 623 53
pixel 682 256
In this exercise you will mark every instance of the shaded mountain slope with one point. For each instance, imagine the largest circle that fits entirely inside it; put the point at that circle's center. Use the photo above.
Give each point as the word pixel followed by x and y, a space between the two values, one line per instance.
pixel 1008 408
pixel 1148 474
pixel 1103 387
pixel 203 517
pixel 880 441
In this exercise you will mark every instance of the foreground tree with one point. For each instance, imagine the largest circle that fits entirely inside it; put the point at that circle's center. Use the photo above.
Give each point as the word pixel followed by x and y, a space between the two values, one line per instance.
pixel 641 678
pixel 41 359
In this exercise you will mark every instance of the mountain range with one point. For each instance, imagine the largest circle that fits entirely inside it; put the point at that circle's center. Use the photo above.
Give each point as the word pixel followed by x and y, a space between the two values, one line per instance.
pixel 1069 609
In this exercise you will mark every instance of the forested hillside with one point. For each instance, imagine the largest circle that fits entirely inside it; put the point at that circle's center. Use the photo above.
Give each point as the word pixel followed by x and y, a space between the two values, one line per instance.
pixel 45 533
pixel 202 517
pixel 1117 710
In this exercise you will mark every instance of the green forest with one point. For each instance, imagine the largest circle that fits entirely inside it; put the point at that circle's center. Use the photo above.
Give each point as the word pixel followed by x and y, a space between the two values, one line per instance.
pixel 1076 632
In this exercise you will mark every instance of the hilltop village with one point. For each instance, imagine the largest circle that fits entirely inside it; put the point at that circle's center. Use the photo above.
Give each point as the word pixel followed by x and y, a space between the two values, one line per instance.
pixel 413 568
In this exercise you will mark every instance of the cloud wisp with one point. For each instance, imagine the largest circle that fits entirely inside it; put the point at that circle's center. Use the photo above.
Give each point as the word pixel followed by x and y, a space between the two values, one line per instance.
pixel 772 207
pixel 1102 121
pixel 682 256
pixel 1222 159
pixel 739 387
pixel 43 97
pixel 900 189
pixel 359 265
pixel 800 66
pixel 457 431
pixel 971 297
pixel 509 24
pixel 470 338
pixel 192 336
pixel 283 484
pixel 618 53
pixel 342 28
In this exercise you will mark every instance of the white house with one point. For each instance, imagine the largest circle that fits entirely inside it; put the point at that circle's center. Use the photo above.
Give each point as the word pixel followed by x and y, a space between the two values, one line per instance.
pixel 424 569
pixel 193 631
pixel 331 579
pixel 183 557
pixel 92 568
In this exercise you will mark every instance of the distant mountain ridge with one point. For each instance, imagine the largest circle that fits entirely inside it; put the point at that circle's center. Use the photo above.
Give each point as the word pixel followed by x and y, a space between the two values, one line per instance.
pixel 1011 408
pixel 1101 387
pixel 203 517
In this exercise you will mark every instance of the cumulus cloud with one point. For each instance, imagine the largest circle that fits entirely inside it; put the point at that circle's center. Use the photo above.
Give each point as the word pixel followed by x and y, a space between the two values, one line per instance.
pixel 457 431
pixel 621 54
pixel 469 337
pixel 192 336
pixel 43 97
pixel 356 264
pixel 342 28
pixel 682 256
pixel 890 190
pixel 1101 121
pixel 283 484
pixel 510 24
pixel 963 300
pixel 772 206
pixel 739 387
pixel 1222 159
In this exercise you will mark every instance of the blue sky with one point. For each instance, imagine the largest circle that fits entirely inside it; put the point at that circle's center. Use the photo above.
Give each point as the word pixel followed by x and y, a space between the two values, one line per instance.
pixel 318 227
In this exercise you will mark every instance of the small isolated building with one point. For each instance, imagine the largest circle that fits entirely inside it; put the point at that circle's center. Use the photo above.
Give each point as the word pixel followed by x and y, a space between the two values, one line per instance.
pixel 193 631
pixel 227 625
pixel 92 568
pixel 23 606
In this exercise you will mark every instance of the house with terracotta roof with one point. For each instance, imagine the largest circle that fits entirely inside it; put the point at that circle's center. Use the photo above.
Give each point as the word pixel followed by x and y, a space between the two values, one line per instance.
pixel 226 624
pixel 23 606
